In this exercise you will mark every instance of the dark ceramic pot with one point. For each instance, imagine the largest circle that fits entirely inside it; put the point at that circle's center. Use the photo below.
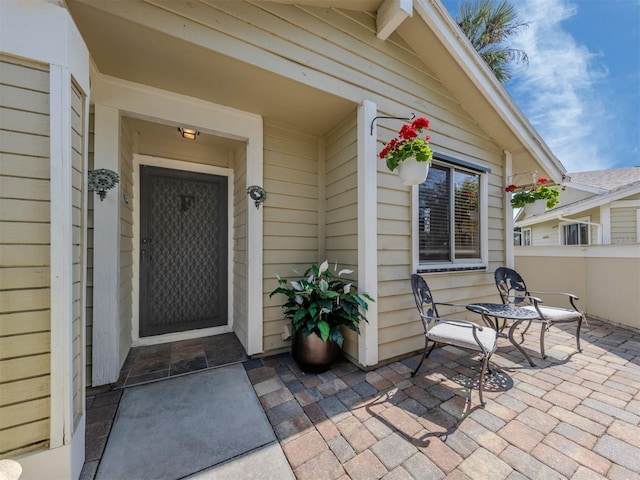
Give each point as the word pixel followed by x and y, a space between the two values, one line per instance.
pixel 312 354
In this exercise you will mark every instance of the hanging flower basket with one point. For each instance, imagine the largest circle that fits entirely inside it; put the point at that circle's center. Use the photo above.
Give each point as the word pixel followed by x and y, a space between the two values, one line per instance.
pixel 413 172
pixel 408 153
pixel 546 197
pixel 536 208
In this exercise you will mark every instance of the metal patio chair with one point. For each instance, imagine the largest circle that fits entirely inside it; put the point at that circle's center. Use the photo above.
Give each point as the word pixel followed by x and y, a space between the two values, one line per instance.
pixel 460 333
pixel 514 291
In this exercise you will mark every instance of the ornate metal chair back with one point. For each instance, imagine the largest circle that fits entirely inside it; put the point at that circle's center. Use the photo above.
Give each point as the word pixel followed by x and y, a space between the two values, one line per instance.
pixel 511 286
pixel 424 301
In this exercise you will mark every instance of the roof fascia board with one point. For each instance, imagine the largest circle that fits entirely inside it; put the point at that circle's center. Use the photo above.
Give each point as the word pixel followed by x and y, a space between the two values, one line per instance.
pixel 434 15
pixel 584 205
pixel 390 15
pixel 586 188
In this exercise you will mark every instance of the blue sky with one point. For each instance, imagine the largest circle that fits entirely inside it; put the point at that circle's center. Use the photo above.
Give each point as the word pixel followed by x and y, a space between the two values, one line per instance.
pixel 581 89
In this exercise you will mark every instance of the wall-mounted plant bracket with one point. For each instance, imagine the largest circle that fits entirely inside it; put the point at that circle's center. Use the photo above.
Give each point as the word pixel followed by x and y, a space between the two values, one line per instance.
pixel 257 194
pixel 408 119
pixel 101 180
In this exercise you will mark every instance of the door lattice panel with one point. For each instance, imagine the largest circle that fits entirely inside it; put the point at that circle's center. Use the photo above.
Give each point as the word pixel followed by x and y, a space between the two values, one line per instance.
pixel 185 251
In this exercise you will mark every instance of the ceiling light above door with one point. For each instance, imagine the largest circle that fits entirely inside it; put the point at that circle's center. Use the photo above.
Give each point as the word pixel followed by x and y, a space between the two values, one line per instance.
pixel 188 133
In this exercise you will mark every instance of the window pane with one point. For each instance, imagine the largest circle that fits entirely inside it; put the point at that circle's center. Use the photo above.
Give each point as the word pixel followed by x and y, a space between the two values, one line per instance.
pixel 434 219
pixel 571 234
pixel 584 234
pixel 467 215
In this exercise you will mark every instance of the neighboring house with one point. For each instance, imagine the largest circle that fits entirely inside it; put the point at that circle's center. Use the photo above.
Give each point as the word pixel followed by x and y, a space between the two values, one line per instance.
pixel 599 207
pixel 290 96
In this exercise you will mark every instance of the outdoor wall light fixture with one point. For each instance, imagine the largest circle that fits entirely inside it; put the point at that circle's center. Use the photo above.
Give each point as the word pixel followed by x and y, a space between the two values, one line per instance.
pixel 188 133
pixel 257 194
pixel 101 180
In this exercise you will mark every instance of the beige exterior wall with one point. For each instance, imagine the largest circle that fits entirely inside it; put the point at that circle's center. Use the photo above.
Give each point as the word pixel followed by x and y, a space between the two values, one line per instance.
pixel 240 258
pixel 624 225
pixel 341 201
pixel 24 249
pixel 291 216
pixel 605 277
pixel 125 187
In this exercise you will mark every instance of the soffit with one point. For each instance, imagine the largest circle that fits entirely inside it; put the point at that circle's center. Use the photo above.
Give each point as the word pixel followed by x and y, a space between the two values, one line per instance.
pixel 126 50
pixel 154 130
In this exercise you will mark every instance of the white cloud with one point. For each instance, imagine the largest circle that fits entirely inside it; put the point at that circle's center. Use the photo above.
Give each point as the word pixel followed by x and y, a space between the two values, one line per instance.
pixel 558 89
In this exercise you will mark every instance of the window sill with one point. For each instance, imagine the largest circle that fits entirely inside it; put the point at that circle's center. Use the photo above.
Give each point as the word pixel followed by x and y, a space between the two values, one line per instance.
pixel 450 267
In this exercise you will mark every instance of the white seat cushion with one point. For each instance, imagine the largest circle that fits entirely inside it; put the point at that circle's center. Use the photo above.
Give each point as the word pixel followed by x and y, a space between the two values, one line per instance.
pixel 461 335
pixel 554 314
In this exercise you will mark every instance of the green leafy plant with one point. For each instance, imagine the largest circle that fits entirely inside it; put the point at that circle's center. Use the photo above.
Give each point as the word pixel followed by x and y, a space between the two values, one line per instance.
pixel 408 144
pixel 321 302
pixel 536 192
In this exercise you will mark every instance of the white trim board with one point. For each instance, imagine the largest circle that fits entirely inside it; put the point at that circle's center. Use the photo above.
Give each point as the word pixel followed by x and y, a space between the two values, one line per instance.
pixel 135 308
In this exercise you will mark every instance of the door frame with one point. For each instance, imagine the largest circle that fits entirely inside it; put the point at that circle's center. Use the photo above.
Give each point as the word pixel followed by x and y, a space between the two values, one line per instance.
pixel 113 98
pixel 151 161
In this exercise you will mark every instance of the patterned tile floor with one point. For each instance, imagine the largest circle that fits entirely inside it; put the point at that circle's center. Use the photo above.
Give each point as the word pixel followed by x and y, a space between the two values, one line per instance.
pixel 574 415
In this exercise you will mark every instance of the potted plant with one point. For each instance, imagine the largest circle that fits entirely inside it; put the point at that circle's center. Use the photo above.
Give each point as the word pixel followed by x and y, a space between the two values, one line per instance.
pixel 409 153
pixel 544 196
pixel 319 305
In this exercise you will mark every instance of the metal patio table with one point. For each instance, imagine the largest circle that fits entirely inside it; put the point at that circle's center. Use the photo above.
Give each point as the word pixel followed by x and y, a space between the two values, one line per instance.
pixel 506 312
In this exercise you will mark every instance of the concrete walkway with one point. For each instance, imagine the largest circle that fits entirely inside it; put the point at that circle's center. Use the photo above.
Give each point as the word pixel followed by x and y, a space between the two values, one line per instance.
pixel 574 415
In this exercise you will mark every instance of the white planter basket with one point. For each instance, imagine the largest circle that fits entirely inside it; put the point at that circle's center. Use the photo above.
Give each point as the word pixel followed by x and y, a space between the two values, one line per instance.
pixel 413 172
pixel 536 208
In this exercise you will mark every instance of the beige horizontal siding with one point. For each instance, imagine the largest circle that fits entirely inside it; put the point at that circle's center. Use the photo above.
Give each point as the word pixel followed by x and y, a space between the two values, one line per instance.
pixel 290 216
pixel 126 237
pixel 624 225
pixel 24 257
pixel 239 274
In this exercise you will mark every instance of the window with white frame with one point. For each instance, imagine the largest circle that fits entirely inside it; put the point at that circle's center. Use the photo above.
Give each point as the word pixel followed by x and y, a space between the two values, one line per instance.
pixel 450 225
pixel 526 236
pixel 575 234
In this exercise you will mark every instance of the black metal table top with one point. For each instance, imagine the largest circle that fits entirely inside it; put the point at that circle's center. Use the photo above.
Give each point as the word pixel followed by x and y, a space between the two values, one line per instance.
pixel 504 311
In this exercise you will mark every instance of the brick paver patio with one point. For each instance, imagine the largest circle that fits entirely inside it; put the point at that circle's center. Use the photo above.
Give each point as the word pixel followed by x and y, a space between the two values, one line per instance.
pixel 574 415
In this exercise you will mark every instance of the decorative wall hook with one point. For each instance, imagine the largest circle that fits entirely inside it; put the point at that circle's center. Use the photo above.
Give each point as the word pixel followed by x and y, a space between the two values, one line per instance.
pixel 101 180
pixel 257 194
pixel 408 119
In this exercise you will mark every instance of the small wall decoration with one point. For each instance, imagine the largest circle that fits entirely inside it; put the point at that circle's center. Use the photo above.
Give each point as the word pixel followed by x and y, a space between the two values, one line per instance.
pixel 101 180
pixel 257 194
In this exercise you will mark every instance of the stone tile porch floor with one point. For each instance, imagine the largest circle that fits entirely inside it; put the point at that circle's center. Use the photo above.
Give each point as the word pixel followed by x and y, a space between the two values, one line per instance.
pixel 574 415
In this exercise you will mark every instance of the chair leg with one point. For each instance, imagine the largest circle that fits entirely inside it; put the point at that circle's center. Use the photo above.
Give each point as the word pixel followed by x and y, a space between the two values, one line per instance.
pixel 543 329
pixel 578 333
pixel 524 332
pixel 485 363
pixel 425 354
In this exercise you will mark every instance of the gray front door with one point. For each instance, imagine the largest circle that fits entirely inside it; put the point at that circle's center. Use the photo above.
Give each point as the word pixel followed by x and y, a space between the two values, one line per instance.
pixel 183 251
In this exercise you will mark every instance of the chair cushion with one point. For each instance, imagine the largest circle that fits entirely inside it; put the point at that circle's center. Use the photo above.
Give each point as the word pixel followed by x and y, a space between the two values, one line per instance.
pixel 462 336
pixel 555 314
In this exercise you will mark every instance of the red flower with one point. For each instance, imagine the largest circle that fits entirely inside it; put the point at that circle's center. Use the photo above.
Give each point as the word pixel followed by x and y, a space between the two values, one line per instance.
pixel 543 180
pixel 407 132
pixel 420 123
pixel 427 138
pixel 510 188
